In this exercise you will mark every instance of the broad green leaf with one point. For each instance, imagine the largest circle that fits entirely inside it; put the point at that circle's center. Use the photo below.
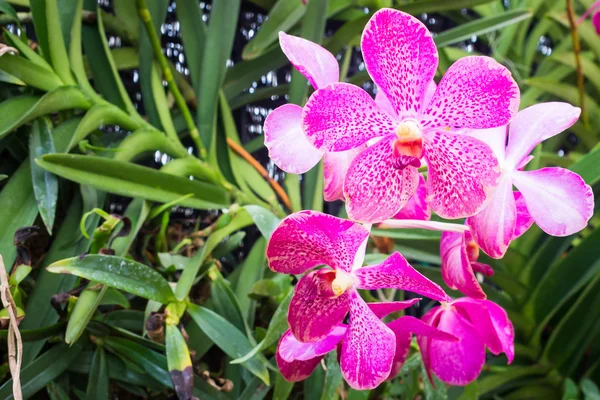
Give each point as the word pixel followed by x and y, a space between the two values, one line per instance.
pixel 22 109
pixel 44 369
pixel 114 297
pixel 282 388
pixel 143 141
pixel 588 166
pixel 28 52
pixel 408 234
pixel 252 270
pixel 480 26
pixel 427 6
pixel 97 387
pixel 137 211
pixel 265 220
pixel 179 362
pixel 333 377
pixel 226 304
pixel 48 31
pixel 590 390
pixel 126 12
pixel 493 381
pixel 229 339
pixel 219 42
pixel 120 273
pixel 193 36
pixel 133 180
pixel 45 184
pixel 590 68
pixel 283 15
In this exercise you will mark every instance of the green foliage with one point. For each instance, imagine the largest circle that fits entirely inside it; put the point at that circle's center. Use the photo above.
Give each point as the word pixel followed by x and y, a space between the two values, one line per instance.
pixel 145 304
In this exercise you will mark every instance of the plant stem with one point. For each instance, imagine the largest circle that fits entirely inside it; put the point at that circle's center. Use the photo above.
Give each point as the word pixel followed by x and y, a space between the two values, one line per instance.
pixel 429 225
pixel 168 75
pixel 262 171
pixel 578 66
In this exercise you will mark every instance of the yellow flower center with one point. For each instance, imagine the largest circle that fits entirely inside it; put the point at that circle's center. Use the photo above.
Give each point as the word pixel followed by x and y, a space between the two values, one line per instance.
pixel 342 282
pixel 408 131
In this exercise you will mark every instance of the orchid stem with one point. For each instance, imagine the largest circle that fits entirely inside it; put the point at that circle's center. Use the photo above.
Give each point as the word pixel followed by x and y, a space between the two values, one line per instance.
pixel 146 18
pixel 240 151
pixel 429 225
pixel 578 66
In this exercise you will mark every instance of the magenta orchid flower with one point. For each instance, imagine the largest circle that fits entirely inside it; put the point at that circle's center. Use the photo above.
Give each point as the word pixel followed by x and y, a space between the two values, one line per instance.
pixel 459 254
pixel 478 324
pixel 401 58
pixel 558 200
pixel 297 360
pixel 416 207
pixel 595 11
pixel 288 146
pixel 322 298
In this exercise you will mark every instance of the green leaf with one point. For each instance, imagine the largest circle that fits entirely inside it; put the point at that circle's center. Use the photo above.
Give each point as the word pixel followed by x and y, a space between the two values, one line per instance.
pixel 179 362
pixel 252 270
pixel 45 184
pixel 97 388
pixel 22 109
pixel 219 42
pixel 265 220
pixel 225 302
pixel 493 381
pixel 283 15
pixel 588 167
pixel 120 273
pixel 28 52
pixel 48 31
pixel 43 370
pixel 427 6
pixel 282 388
pixel 480 26
pixel 115 297
pixel 590 390
pixel 30 73
pixel 228 338
pixel 133 180
pixel 193 36
pixel 333 377
pixel 126 12
pixel 143 141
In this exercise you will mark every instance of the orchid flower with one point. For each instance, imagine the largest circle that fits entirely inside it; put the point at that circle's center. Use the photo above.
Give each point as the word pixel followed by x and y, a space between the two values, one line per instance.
pixel 595 9
pixel 558 200
pixel 478 324
pixel 459 254
pixel 288 146
pixel 297 360
pixel 416 207
pixel 401 58
pixel 322 298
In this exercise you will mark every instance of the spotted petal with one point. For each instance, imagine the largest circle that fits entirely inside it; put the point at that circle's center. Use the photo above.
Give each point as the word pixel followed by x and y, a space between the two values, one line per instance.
pixel 456 266
pixel 295 370
pixel 368 349
pixel 535 124
pixel 375 189
pixel 318 65
pixel 342 116
pixel 416 207
pixel 401 58
pixel 306 239
pixel 524 219
pixel 382 309
pixel 396 272
pixel 494 227
pixel 288 147
pixel 335 168
pixel 314 312
pixel 476 92
pixel 456 363
pixel 463 173
pixel 559 200
pixel 290 349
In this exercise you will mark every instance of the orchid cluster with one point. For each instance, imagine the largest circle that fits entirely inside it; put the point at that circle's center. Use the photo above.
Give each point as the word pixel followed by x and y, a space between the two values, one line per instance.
pixel 466 135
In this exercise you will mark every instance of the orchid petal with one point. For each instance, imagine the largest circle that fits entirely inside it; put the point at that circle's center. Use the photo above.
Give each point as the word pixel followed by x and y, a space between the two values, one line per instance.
pixel 476 92
pixel 342 116
pixel 504 329
pixel 493 137
pixel 456 363
pixel 416 207
pixel 494 227
pixel 335 168
pixel 596 22
pixel 401 57
pixel 384 104
pixel 382 309
pixel 318 65
pixel 524 219
pixel 296 370
pixel 559 200
pixel 456 266
pixel 368 349
pixel 313 312
pixel 396 272
pixel 535 124
pixel 288 147
pixel 306 239
pixel 463 173
pixel 430 318
pixel 374 187
pixel 290 349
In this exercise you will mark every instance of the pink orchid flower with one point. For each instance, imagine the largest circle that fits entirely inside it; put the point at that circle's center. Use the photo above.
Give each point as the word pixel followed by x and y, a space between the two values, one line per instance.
pixel 477 324
pixel 297 360
pixel 416 207
pixel 322 298
pixel 459 254
pixel 558 200
pixel 401 58
pixel 288 146
pixel 595 9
